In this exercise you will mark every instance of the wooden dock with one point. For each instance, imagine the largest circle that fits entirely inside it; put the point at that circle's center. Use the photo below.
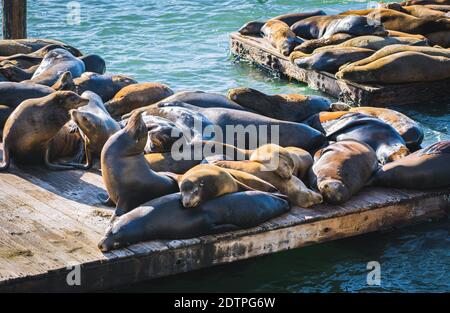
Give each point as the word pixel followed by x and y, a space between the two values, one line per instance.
pixel 260 52
pixel 50 221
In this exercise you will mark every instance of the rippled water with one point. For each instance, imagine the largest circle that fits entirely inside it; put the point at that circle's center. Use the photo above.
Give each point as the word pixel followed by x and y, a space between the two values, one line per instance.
pixel 185 44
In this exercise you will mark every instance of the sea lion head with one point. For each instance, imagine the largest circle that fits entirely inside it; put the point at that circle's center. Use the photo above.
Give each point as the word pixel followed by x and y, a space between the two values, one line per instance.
pixel 275 158
pixel 137 131
pixel 68 100
pixel 334 191
pixel 252 28
pixel 64 82
pixel 123 80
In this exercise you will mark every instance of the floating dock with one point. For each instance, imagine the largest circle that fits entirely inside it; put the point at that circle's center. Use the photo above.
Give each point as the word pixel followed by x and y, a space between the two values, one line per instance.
pixel 257 50
pixel 52 221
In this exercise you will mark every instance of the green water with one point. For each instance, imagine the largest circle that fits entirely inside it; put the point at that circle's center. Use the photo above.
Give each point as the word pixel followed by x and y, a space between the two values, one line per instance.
pixel 185 44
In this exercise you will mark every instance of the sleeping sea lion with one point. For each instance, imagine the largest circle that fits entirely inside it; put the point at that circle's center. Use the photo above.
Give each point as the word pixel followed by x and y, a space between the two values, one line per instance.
pixel 166 218
pixel 288 107
pixel 33 124
pixel 342 169
pixel 126 174
pixel 280 36
pixel 427 168
pixel 16 46
pixel 309 46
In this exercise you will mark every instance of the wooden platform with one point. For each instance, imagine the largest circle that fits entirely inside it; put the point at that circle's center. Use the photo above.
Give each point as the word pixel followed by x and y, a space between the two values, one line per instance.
pixel 52 220
pixel 260 52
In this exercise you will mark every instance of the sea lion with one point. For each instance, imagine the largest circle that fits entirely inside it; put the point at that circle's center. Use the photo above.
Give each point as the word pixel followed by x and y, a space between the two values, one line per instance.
pixel 288 107
pixel 135 96
pixel 410 131
pixel 16 74
pixel 392 49
pixel 419 11
pixel 33 124
pixel 342 169
pixel 253 28
pixel 25 46
pixel 441 38
pixel 402 67
pixel 331 60
pixel 13 93
pixel 423 2
pixel 325 26
pixel 205 182
pixel 256 129
pixel 424 169
pixel 166 218
pixel 106 85
pixel 55 63
pixel 280 36
pixel 380 136
pixel 94 63
pixel 95 124
pixel 126 174
pixel 67 144
pixel 438 7
pixel 310 45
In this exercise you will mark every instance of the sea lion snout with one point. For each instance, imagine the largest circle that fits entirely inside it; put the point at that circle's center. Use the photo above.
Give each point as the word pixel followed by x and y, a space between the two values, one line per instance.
pixel 190 194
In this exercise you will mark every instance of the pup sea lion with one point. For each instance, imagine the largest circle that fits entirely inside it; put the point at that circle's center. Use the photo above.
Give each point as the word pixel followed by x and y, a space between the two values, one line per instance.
pixel 253 28
pixel 342 169
pixel 410 131
pixel 280 36
pixel 255 127
pixel 205 182
pixel 33 124
pixel 94 63
pixel 106 85
pixel 25 46
pixel 288 107
pixel 402 67
pixel 95 124
pixel 126 174
pixel 424 169
pixel 166 218
pixel 309 46
pixel 325 26
pixel 55 63
pixel 331 60
pixel 135 96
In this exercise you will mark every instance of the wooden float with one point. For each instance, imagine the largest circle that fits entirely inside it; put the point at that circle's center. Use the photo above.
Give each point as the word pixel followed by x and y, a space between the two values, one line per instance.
pixel 257 50
pixel 51 221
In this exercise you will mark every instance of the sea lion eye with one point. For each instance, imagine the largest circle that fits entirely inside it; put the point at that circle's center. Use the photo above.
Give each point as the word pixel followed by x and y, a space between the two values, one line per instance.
pixel 202 183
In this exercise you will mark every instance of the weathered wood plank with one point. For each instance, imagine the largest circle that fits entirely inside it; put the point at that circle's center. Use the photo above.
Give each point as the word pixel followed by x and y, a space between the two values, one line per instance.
pixel 14 19
pixel 258 51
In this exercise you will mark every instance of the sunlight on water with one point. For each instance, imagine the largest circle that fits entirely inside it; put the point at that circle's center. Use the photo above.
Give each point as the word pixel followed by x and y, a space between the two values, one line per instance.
pixel 185 44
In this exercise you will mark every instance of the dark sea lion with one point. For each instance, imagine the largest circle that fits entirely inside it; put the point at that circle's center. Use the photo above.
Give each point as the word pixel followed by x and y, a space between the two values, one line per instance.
pixel 423 2
pixel 410 131
pixel 54 64
pixel 106 85
pixel 135 96
pixel 5 111
pixel 205 182
pixel 342 169
pixel 402 67
pixel 126 174
pixel 285 133
pixel 25 46
pixel 280 36
pixel 33 124
pixel 310 45
pixel 331 60
pixel 325 26
pixel 94 63
pixel 380 136
pixel 95 124
pixel 427 168
pixel 67 144
pixel 288 107
pixel 205 100
pixel 253 28
pixel 166 218
pixel 16 74
pixel 441 38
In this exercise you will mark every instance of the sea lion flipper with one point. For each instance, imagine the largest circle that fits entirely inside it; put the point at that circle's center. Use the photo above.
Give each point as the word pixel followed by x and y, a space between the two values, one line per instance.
pixel 224 228
pixel 105 199
pixel 6 159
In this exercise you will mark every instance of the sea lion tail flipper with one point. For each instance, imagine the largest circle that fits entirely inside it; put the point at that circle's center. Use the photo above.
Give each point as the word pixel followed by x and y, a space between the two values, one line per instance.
pixel 6 159
pixel 105 199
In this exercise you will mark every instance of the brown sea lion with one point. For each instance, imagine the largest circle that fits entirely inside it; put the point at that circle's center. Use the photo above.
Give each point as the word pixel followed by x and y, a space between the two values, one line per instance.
pixel 280 36
pixel 421 11
pixel 325 26
pixel 206 181
pixel 135 96
pixel 166 218
pixel 427 168
pixel 392 49
pixel 126 174
pixel 309 46
pixel 342 169
pixel 329 60
pixel 67 144
pixel 402 67
pixel 288 107
pixel 106 85
pixel 25 46
pixel 438 7
pixel 33 124
pixel 16 74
